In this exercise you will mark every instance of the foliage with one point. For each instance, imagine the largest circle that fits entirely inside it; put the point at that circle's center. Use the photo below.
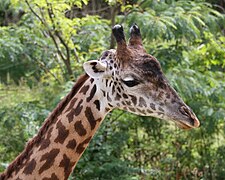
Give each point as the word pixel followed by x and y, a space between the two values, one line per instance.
pixel 45 48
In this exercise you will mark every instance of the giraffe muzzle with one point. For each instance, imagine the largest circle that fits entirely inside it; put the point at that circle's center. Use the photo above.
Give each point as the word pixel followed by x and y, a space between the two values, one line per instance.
pixel 191 119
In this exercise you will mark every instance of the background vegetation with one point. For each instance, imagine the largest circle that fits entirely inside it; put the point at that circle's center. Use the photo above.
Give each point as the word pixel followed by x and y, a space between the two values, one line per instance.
pixel 43 44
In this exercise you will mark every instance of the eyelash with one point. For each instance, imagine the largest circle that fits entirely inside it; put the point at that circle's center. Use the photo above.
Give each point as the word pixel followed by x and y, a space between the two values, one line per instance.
pixel 131 83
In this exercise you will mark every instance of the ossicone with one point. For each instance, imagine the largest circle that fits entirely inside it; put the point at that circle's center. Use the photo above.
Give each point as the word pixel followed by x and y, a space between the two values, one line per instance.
pixel 119 35
pixel 124 51
pixel 135 37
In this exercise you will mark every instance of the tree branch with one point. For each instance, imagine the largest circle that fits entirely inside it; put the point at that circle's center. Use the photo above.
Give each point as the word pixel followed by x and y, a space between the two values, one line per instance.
pixel 66 59
pixel 42 21
pixel 56 32
pixel 75 55
pixel 42 65
pixel 113 19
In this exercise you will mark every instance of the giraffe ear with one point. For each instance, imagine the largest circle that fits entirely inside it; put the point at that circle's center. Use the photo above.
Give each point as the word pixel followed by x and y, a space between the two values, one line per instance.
pixel 95 68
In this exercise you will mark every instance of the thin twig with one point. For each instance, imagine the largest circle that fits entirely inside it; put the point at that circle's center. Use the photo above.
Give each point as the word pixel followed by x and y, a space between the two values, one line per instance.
pixel 117 117
pixel 34 12
pixel 75 55
pixel 42 65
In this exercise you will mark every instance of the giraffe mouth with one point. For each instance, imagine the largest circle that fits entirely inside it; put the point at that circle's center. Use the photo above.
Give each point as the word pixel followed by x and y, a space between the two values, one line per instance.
pixel 191 121
pixel 184 126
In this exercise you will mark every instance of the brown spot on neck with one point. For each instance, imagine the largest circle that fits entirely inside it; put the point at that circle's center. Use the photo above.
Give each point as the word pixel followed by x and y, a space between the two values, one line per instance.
pixel 71 144
pixel 90 117
pixel 84 89
pixel 91 80
pixel 79 108
pixel 92 93
pixel 75 112
pixel 49 159
pixel 62 133
pixel 81 147
pixel 97 104
pixel 72 103
pixel 67 165
pixel 53 177
pixel 29 167
pixel 46 142
pixel 79 128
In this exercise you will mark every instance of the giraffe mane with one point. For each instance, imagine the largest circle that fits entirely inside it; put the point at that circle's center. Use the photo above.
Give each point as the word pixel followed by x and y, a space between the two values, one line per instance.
pixel 51 119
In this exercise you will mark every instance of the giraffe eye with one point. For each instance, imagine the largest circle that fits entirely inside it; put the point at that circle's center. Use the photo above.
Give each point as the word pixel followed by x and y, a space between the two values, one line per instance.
pixel 130 83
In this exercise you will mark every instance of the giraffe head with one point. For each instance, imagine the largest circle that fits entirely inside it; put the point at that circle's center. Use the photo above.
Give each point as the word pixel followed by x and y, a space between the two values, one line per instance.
pixel 133 80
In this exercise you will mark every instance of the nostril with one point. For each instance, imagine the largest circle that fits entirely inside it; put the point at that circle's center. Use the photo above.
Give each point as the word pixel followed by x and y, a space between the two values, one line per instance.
pixel 185 111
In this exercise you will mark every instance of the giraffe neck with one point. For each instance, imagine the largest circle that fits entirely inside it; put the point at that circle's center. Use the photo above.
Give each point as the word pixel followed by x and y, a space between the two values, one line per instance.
pixel 60 148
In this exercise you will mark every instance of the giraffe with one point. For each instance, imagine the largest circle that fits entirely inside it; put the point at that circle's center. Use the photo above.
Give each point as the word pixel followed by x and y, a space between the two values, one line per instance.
pixel 126 78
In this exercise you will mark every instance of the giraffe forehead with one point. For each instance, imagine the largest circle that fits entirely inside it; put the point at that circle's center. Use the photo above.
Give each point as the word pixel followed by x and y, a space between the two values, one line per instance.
pixel 141 65
pixel 148 70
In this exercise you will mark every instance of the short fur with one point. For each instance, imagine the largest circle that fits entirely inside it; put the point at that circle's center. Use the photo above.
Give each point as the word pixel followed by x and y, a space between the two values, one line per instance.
pixel 52 117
